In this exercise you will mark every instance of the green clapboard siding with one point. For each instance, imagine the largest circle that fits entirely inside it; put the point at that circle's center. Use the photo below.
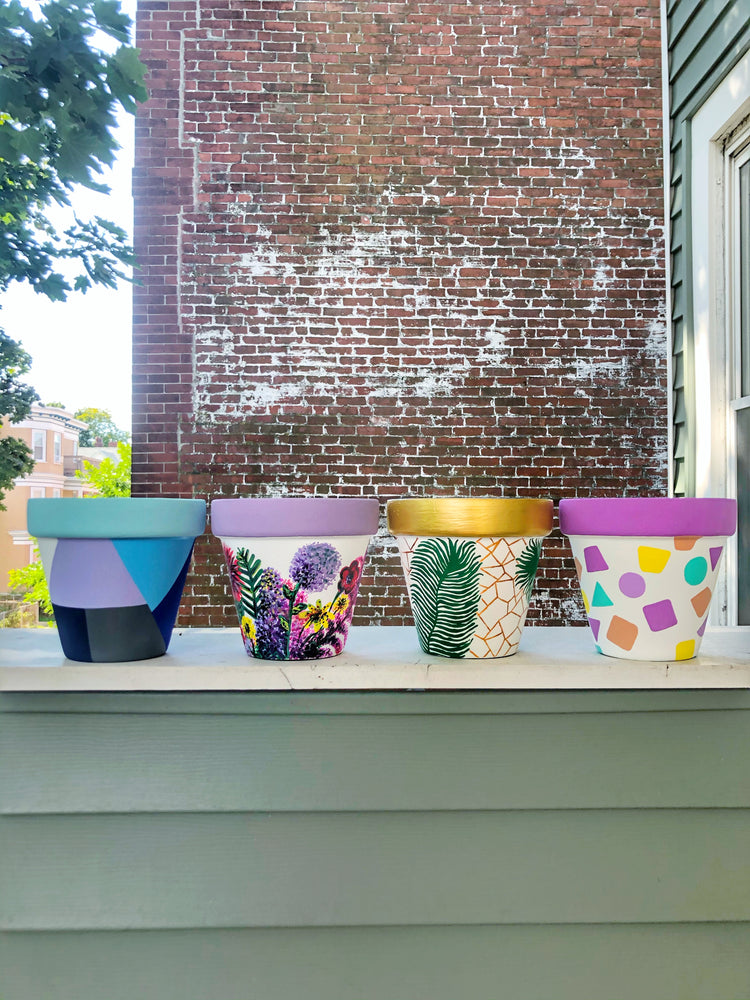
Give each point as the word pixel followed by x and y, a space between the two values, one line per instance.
pixel 215 763
pixel 520 845
pixel 285 869
pixel 705 38
pixel 625 962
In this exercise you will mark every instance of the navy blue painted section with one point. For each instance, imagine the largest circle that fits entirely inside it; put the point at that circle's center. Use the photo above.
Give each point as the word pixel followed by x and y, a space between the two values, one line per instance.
pixel 165 613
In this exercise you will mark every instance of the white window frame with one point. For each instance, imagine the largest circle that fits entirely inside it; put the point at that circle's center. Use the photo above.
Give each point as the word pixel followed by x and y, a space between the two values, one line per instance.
pixel 713 129
pixel 36 492
pixel 57 441
pixel 736 154
pixel 39 437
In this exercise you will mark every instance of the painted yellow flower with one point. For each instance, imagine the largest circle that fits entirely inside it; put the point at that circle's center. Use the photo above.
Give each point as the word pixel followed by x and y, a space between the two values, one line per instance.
pixel 340 604
pixel 248 627
pixel 317 615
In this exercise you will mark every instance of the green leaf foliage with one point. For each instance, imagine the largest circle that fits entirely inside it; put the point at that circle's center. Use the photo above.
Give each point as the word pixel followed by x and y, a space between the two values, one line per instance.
pixel 102 431
pixel 444 586
pixel 33 583
pixel 110 478
pixel 65 69
pixel 251 571
pixel 15 404
pixel 526 566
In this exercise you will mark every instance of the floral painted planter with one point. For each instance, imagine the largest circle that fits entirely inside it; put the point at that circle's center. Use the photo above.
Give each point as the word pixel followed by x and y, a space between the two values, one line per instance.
pixel 647 569
pixel 469 565
pixel 115 568
pixel 295 566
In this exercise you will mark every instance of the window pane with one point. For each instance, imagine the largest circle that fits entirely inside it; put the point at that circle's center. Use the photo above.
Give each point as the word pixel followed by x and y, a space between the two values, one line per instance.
pixel 39 441
pixel 745 277
pixel 743 512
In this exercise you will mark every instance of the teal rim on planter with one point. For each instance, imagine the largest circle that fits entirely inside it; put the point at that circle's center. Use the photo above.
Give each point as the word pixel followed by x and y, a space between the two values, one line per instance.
pixel 647 567
pixel 295 566
pixel 116 568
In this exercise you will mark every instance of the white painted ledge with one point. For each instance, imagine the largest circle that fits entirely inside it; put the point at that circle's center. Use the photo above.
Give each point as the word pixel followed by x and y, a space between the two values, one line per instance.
pixel 376 659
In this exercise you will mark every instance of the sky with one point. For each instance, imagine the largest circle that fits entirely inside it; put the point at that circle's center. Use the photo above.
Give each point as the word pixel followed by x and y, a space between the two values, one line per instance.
pixel 81 348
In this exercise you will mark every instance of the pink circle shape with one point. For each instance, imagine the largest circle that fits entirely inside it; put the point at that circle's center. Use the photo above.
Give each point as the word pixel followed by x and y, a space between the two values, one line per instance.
pixel 632 585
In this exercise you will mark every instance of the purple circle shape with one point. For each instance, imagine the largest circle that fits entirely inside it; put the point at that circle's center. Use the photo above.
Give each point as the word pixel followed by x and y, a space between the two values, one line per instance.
pixel 632 585
pixel 662 517
pixel 274 517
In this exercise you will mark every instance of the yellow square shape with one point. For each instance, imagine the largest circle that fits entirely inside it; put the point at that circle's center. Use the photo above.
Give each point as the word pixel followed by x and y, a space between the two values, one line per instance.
pixel 652 560
pixel 685 650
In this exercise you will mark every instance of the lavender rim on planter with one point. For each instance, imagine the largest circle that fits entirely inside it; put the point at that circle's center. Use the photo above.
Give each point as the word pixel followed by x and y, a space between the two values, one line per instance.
pixel 469 564
pixel 647 567
pixel 295 566
pixel 115 568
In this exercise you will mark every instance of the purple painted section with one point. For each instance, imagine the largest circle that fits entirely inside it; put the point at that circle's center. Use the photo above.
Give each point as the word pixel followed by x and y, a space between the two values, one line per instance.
pixel 632 584
pixel 702 629
pixel 648 516
pixel 595 626
pixel 715 556
pixel 595 561
pixel 660 616
pixel 88 573
pixel 273 517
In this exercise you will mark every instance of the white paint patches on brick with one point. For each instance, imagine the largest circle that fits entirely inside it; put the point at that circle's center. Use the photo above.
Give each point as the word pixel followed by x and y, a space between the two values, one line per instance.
pixel 596 370
pixel 352 280
pixel 656 344
pixel 603 277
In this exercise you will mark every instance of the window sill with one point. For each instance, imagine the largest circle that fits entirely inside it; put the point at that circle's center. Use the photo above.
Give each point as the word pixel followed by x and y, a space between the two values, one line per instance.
pixel 376 659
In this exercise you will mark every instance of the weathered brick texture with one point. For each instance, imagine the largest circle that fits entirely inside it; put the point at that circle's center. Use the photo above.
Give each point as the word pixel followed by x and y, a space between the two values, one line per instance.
pixel 399 248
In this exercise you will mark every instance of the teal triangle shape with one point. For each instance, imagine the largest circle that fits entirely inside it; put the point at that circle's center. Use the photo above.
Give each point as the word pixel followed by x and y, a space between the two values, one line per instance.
pixel 600 598
pixel 153 563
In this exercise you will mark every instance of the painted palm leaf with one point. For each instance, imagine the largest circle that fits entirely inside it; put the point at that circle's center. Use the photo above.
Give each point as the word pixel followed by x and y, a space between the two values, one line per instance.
pixel 444 585
pixel 250 573
pixel 526 566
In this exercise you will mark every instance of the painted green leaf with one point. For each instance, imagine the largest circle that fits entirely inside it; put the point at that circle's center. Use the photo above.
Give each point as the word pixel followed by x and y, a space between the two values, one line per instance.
pixel 526 566
pixel 444 585
pixel 250 574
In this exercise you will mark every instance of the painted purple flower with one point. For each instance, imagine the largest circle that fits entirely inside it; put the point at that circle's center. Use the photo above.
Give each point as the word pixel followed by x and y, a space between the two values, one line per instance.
pixel 270 642
pixel 315 566
pixel 270 591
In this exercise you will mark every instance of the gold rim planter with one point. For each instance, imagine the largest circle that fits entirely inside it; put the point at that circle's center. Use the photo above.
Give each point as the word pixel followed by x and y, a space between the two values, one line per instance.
pixel 469 564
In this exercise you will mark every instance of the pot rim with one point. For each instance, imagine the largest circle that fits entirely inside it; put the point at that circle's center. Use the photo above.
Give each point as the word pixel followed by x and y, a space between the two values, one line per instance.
pixel 115 517
pixel 649 517
pixel 471 517
pixel 293 517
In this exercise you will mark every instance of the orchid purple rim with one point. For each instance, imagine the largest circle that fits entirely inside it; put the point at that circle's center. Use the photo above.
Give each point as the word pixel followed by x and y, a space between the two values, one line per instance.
pixel 662 517
pixel 301 517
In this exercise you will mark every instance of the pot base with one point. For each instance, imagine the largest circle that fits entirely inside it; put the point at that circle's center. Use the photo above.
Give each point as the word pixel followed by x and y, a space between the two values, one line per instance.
pixel 469 596
pixel 647 598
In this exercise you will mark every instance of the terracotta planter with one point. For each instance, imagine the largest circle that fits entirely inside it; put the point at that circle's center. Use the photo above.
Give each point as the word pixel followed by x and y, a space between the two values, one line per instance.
pixel 295 566
pixel 469 565
pixel 115 568
pixel 647 569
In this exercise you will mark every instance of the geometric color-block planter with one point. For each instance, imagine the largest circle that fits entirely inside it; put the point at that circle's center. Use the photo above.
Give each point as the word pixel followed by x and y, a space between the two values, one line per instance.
pixel 469 564
pixel 115 568
pixel 295 566
pixel 647 568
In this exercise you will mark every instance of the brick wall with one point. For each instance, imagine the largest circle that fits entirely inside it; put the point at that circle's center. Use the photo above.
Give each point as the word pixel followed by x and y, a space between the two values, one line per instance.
pixel 399 248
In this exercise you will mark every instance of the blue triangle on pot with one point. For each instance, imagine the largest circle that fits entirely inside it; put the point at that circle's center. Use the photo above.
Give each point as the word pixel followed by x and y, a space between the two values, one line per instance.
pixel 154 563
pixel 600 598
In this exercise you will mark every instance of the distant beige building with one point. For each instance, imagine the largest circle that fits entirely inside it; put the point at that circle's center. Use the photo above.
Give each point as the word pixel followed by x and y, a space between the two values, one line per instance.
pixel 52 434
